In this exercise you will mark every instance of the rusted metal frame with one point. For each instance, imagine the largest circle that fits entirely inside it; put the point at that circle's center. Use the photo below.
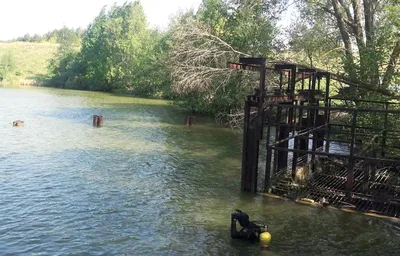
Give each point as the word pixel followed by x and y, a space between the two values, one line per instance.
pixel 312 120
pixel 244 145
pixel 254 177
pixel 359 110
pixel 291 83
pixel 268 157
pixel 284 131
pixel 335 183
pixel 300 116
pixel 345 156
pixel 350 166
pixel 334 195
pixel 339 181
pixel 323 179
pixel 295 146
pixel 385 131
pixel 252 135
pixel 261 99
pixel 327 111
pixel 251 151
pixel 292 88
pixel 311 104
pixel 363 127
pixel 299 134
pixel 252 60
pixel 309 116
pixel 277 128
pixel 366 101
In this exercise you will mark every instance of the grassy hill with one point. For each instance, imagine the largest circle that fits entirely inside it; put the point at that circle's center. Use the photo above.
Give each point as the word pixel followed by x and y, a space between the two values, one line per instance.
pixel 24 63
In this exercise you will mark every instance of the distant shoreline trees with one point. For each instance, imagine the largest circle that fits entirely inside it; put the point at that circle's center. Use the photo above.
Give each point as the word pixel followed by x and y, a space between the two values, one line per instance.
pixel 55 36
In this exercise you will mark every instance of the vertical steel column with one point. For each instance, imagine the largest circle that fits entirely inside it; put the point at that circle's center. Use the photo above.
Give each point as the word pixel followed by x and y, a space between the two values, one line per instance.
pixel 292 88
pixel 277 130
pixel 313 112
pixel 327 112
pixel 244 145
pixel 384 134
pixel 296 145
pixel 268 157
pixel 284 131
pixel 253 130
pixel 260 111
pixel 350 167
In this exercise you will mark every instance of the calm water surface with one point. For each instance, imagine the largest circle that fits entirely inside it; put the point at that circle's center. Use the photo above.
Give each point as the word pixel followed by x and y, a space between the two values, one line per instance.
pixel 144 184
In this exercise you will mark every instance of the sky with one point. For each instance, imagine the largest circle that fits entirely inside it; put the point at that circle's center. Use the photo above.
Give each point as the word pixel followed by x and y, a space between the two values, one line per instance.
pixel 19 17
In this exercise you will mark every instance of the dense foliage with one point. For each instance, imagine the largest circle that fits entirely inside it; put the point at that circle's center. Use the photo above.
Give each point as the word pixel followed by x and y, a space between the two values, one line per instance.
pixel 118 51
pixel 360 37
pixel 64 34
pixel 7 65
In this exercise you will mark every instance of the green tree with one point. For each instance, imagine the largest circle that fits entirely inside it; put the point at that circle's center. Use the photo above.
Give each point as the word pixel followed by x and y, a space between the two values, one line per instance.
pixel 315 46
pixel 369 33
pixel 117 51
pixel 112 46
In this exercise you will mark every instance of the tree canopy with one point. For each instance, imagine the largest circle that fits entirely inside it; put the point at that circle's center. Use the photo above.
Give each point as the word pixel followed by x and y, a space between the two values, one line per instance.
pixel 365 34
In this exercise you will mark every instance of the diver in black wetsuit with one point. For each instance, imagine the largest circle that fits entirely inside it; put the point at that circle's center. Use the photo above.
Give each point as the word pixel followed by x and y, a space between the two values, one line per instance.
pixel 250 230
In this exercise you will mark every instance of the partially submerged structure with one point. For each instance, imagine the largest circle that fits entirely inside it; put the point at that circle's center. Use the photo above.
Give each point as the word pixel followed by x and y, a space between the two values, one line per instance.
pixel 320 147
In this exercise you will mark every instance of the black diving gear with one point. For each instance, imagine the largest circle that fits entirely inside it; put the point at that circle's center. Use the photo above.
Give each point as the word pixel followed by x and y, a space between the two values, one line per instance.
pixel 250 230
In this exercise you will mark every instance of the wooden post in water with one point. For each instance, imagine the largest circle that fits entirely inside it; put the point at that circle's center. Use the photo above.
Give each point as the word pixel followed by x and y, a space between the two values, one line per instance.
pixel 100 121
pixel 190 120
pixel 95 120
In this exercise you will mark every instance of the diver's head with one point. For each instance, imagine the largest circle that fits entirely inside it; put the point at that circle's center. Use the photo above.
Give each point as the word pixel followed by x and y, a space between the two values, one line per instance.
pixel 265 239
pixel 243 218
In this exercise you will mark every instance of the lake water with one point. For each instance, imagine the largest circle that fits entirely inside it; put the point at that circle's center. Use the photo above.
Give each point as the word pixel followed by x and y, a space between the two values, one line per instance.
pixel 145 184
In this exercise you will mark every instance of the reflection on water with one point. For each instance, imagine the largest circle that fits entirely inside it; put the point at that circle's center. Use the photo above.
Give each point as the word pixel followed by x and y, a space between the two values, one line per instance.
pixel 144 184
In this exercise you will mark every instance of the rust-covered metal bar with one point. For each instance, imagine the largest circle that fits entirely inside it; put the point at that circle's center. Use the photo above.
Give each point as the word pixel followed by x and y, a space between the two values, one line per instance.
pixel 350 167
pixel 253 129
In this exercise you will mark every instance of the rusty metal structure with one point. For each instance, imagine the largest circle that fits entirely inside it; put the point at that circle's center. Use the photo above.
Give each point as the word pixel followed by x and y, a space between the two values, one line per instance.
pixel 319 146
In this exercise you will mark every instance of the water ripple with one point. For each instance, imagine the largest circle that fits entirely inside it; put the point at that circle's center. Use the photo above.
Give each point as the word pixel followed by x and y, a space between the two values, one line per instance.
pixel 144 184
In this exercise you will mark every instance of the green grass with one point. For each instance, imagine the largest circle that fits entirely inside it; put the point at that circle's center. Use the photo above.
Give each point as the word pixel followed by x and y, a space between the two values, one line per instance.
pixel 30 61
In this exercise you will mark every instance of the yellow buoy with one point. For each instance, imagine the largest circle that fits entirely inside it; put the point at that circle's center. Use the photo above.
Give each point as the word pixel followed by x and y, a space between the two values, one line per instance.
pixel 265 239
